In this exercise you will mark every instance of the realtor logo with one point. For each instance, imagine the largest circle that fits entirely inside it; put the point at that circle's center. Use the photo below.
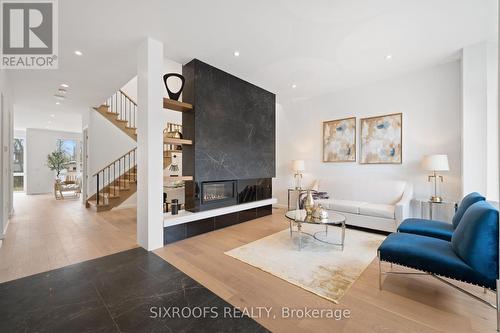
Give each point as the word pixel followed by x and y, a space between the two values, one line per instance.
pixel 29 34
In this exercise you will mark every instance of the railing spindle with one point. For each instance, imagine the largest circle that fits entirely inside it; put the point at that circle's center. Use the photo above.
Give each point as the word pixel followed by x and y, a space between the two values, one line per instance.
pixel 98 189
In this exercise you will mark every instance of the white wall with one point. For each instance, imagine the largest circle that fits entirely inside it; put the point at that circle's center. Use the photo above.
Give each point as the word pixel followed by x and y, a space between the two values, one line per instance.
pixel 106 144
pixel 474 119
pixel 492 186
pixel 480 119
pixel 6 137
pixel 40 143
pixel 430 103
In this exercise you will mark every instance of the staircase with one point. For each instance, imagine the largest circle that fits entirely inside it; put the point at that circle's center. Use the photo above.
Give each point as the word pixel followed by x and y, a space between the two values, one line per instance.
pixel 121 110
pixel 117 181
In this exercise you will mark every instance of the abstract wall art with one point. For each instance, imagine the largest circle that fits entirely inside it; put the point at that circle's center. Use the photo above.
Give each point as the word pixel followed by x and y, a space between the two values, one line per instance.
pixel 381 139
pixel 339 140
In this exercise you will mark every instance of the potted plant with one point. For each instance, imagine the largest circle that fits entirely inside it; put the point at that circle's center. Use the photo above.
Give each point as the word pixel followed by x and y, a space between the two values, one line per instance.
pixel 57 161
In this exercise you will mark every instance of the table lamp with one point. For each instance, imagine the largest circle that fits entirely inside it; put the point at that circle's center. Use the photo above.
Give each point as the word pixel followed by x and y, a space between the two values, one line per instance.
pixel 435 163
pixel 298 167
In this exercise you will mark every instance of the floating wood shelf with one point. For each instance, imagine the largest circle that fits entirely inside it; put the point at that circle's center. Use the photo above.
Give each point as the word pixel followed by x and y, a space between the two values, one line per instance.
pixel 174 141
pixel 176 105
pixel 176 178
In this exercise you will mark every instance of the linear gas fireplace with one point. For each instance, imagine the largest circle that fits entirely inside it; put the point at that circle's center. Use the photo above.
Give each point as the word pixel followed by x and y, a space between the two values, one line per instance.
pixel 206 195
pixel 218 191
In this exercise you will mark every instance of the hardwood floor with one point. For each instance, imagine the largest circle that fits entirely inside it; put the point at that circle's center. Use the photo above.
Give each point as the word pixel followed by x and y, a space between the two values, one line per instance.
pixel 45 234
pixel 406 304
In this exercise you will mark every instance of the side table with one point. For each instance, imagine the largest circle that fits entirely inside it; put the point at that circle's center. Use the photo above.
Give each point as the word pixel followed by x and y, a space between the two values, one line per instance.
pixel 290 191
pixel 430 204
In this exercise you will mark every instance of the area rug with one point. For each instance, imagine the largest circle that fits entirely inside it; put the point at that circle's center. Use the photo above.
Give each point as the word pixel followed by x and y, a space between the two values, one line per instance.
pixel 320 268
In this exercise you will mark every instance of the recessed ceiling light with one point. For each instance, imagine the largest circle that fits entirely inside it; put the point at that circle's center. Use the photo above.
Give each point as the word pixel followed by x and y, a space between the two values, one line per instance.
pixel 53 115
pixel 294 86
pixel 64 85
pixel 57 103
pixel 78 53
pixel 236 53
pixel 388 57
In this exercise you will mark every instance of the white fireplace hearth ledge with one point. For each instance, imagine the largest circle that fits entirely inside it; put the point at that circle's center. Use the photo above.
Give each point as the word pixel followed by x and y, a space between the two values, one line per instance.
pixel 186 217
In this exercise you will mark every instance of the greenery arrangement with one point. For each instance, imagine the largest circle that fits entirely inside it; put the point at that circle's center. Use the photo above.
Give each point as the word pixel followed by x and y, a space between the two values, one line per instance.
pixel 57 160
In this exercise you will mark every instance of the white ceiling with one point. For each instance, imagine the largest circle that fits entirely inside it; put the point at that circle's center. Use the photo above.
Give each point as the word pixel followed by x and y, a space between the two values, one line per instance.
pixel 320 46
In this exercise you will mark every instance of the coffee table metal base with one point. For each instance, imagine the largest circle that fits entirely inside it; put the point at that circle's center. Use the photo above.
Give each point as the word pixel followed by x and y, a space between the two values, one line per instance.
pixel 315 235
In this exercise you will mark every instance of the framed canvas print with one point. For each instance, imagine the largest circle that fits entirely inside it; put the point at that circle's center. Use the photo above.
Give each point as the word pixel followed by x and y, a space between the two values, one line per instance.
pixel 339 140
pixel 381 139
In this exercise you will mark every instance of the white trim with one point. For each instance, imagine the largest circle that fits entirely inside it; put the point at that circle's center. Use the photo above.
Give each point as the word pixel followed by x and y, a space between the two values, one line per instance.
pixel 186 217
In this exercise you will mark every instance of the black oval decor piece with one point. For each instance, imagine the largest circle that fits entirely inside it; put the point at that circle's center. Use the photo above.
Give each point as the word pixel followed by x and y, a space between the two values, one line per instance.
pixel 174 95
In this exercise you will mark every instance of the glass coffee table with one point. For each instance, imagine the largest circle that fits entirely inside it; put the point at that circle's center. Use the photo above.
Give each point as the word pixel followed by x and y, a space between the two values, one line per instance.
pixel 334 219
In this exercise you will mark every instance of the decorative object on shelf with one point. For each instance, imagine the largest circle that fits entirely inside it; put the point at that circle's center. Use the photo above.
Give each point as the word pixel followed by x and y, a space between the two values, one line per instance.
pixel 174 95
pixel 174 131
pixel 339 140
pixel 174 167
pixel 165 204
pixel 309 204
pixel 298 167
pixel 173 134
pixel 381 139
pixel 319 212
pixel 434 163
pixel 174 206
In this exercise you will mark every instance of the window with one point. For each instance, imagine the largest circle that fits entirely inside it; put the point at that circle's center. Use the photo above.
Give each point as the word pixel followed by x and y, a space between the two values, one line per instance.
pixel 70 148
pixel 18 164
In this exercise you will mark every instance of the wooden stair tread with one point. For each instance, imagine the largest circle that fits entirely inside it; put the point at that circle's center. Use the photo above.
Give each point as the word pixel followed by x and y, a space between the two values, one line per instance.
pixel 171 104
pixel 120 123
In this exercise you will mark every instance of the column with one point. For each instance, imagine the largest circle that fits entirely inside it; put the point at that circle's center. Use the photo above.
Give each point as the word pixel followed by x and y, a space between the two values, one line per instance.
pixel 150 145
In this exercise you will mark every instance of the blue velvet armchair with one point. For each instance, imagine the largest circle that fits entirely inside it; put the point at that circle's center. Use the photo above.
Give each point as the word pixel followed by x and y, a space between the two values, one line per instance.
pixel 471 256
pixel 439 229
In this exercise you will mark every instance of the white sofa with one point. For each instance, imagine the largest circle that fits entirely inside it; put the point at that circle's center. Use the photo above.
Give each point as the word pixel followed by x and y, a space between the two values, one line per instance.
pixel 372 204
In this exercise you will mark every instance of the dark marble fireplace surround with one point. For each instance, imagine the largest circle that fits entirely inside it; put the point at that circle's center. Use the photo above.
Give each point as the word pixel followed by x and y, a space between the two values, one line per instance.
pixel 233 128
pixel 233 133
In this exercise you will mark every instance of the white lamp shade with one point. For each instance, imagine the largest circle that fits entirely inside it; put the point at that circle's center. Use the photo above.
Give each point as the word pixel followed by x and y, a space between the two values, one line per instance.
pixel 298 165
pixel 435 163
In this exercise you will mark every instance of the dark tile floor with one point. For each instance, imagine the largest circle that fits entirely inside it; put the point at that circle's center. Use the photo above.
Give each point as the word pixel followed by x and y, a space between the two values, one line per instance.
pixel 123 292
